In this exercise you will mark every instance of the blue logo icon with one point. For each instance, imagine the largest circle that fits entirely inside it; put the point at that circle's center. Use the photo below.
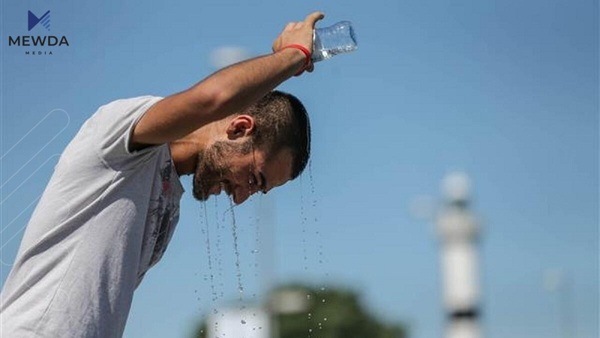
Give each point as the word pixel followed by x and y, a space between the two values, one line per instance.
pixel 34 20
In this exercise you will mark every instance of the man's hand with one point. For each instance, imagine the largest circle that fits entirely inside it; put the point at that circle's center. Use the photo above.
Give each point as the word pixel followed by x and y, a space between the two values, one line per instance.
pixel 300 33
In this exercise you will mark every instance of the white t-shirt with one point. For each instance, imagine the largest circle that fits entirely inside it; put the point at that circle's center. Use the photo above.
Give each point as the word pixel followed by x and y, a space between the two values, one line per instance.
pixel 104 219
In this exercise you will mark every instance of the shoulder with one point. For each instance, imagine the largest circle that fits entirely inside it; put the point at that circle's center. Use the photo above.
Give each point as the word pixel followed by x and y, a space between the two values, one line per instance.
pixel 130 104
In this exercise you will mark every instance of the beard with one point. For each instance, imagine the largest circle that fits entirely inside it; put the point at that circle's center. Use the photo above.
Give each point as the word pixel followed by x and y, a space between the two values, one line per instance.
pixel 213 167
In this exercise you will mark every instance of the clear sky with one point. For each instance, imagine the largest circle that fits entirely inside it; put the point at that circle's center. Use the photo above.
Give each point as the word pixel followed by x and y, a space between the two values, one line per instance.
pixel 506 91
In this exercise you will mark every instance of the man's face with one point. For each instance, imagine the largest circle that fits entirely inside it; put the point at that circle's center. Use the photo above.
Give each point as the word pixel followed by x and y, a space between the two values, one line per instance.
pixel 239 170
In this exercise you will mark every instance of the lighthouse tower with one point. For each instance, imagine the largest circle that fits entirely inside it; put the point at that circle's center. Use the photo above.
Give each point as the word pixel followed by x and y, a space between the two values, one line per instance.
pixel 459 231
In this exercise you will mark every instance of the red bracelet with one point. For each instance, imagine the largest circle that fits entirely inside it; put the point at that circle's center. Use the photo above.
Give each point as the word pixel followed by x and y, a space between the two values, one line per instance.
pixel 307 55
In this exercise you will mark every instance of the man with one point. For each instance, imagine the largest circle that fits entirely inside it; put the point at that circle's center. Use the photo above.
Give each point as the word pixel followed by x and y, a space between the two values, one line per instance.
pixel 112 203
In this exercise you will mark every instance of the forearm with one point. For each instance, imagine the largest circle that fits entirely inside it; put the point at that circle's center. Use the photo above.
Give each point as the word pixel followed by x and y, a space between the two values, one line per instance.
pixel 240 85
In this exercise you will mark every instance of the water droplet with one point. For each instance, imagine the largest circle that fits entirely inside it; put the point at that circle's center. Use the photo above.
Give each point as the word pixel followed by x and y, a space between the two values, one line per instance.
pixel 243 321
pixel 323 300
pixel 325 319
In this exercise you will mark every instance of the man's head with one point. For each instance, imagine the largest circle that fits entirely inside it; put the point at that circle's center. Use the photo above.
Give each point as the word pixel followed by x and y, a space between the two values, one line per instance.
pixel 267 145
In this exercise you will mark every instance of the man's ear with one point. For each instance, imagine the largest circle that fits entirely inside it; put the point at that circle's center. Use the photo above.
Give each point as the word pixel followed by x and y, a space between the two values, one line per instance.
pixel 240 126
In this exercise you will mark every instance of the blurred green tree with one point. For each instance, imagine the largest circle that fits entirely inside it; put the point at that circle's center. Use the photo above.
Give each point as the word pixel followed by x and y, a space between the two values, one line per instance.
pixel 324 313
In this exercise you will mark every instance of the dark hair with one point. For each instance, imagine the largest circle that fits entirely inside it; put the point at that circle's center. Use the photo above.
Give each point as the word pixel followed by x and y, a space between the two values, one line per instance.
pixel 281 122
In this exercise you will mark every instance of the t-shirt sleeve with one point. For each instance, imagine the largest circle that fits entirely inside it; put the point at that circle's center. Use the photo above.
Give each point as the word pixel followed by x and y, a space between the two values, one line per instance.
pixel 113 126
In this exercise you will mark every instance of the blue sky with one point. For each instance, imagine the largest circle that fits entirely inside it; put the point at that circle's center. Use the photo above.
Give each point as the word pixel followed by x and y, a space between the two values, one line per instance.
pixel 506 91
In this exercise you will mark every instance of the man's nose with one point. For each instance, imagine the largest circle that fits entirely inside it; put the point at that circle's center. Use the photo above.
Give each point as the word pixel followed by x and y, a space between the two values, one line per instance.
pixel 243 195
pixel 249 191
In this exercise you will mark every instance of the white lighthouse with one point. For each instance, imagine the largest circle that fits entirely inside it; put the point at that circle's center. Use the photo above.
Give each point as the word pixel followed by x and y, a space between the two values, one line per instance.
pixel 458 230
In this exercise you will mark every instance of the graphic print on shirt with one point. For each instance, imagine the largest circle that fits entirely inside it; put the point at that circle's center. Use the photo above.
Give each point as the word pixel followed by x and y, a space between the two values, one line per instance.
pixel 163 215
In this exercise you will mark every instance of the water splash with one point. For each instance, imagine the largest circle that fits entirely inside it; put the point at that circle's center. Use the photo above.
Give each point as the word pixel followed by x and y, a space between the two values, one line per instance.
pixel 236 249
pixel 209 254
pixel 204 211
pixel 220 229
pixel 319 238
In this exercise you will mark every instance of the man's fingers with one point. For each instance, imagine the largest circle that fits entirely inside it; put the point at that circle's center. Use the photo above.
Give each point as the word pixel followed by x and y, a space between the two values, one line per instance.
pixel 313 17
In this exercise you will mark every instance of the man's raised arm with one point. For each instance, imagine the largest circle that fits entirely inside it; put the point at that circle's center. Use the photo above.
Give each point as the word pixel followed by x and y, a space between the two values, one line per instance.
pixel 229 90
